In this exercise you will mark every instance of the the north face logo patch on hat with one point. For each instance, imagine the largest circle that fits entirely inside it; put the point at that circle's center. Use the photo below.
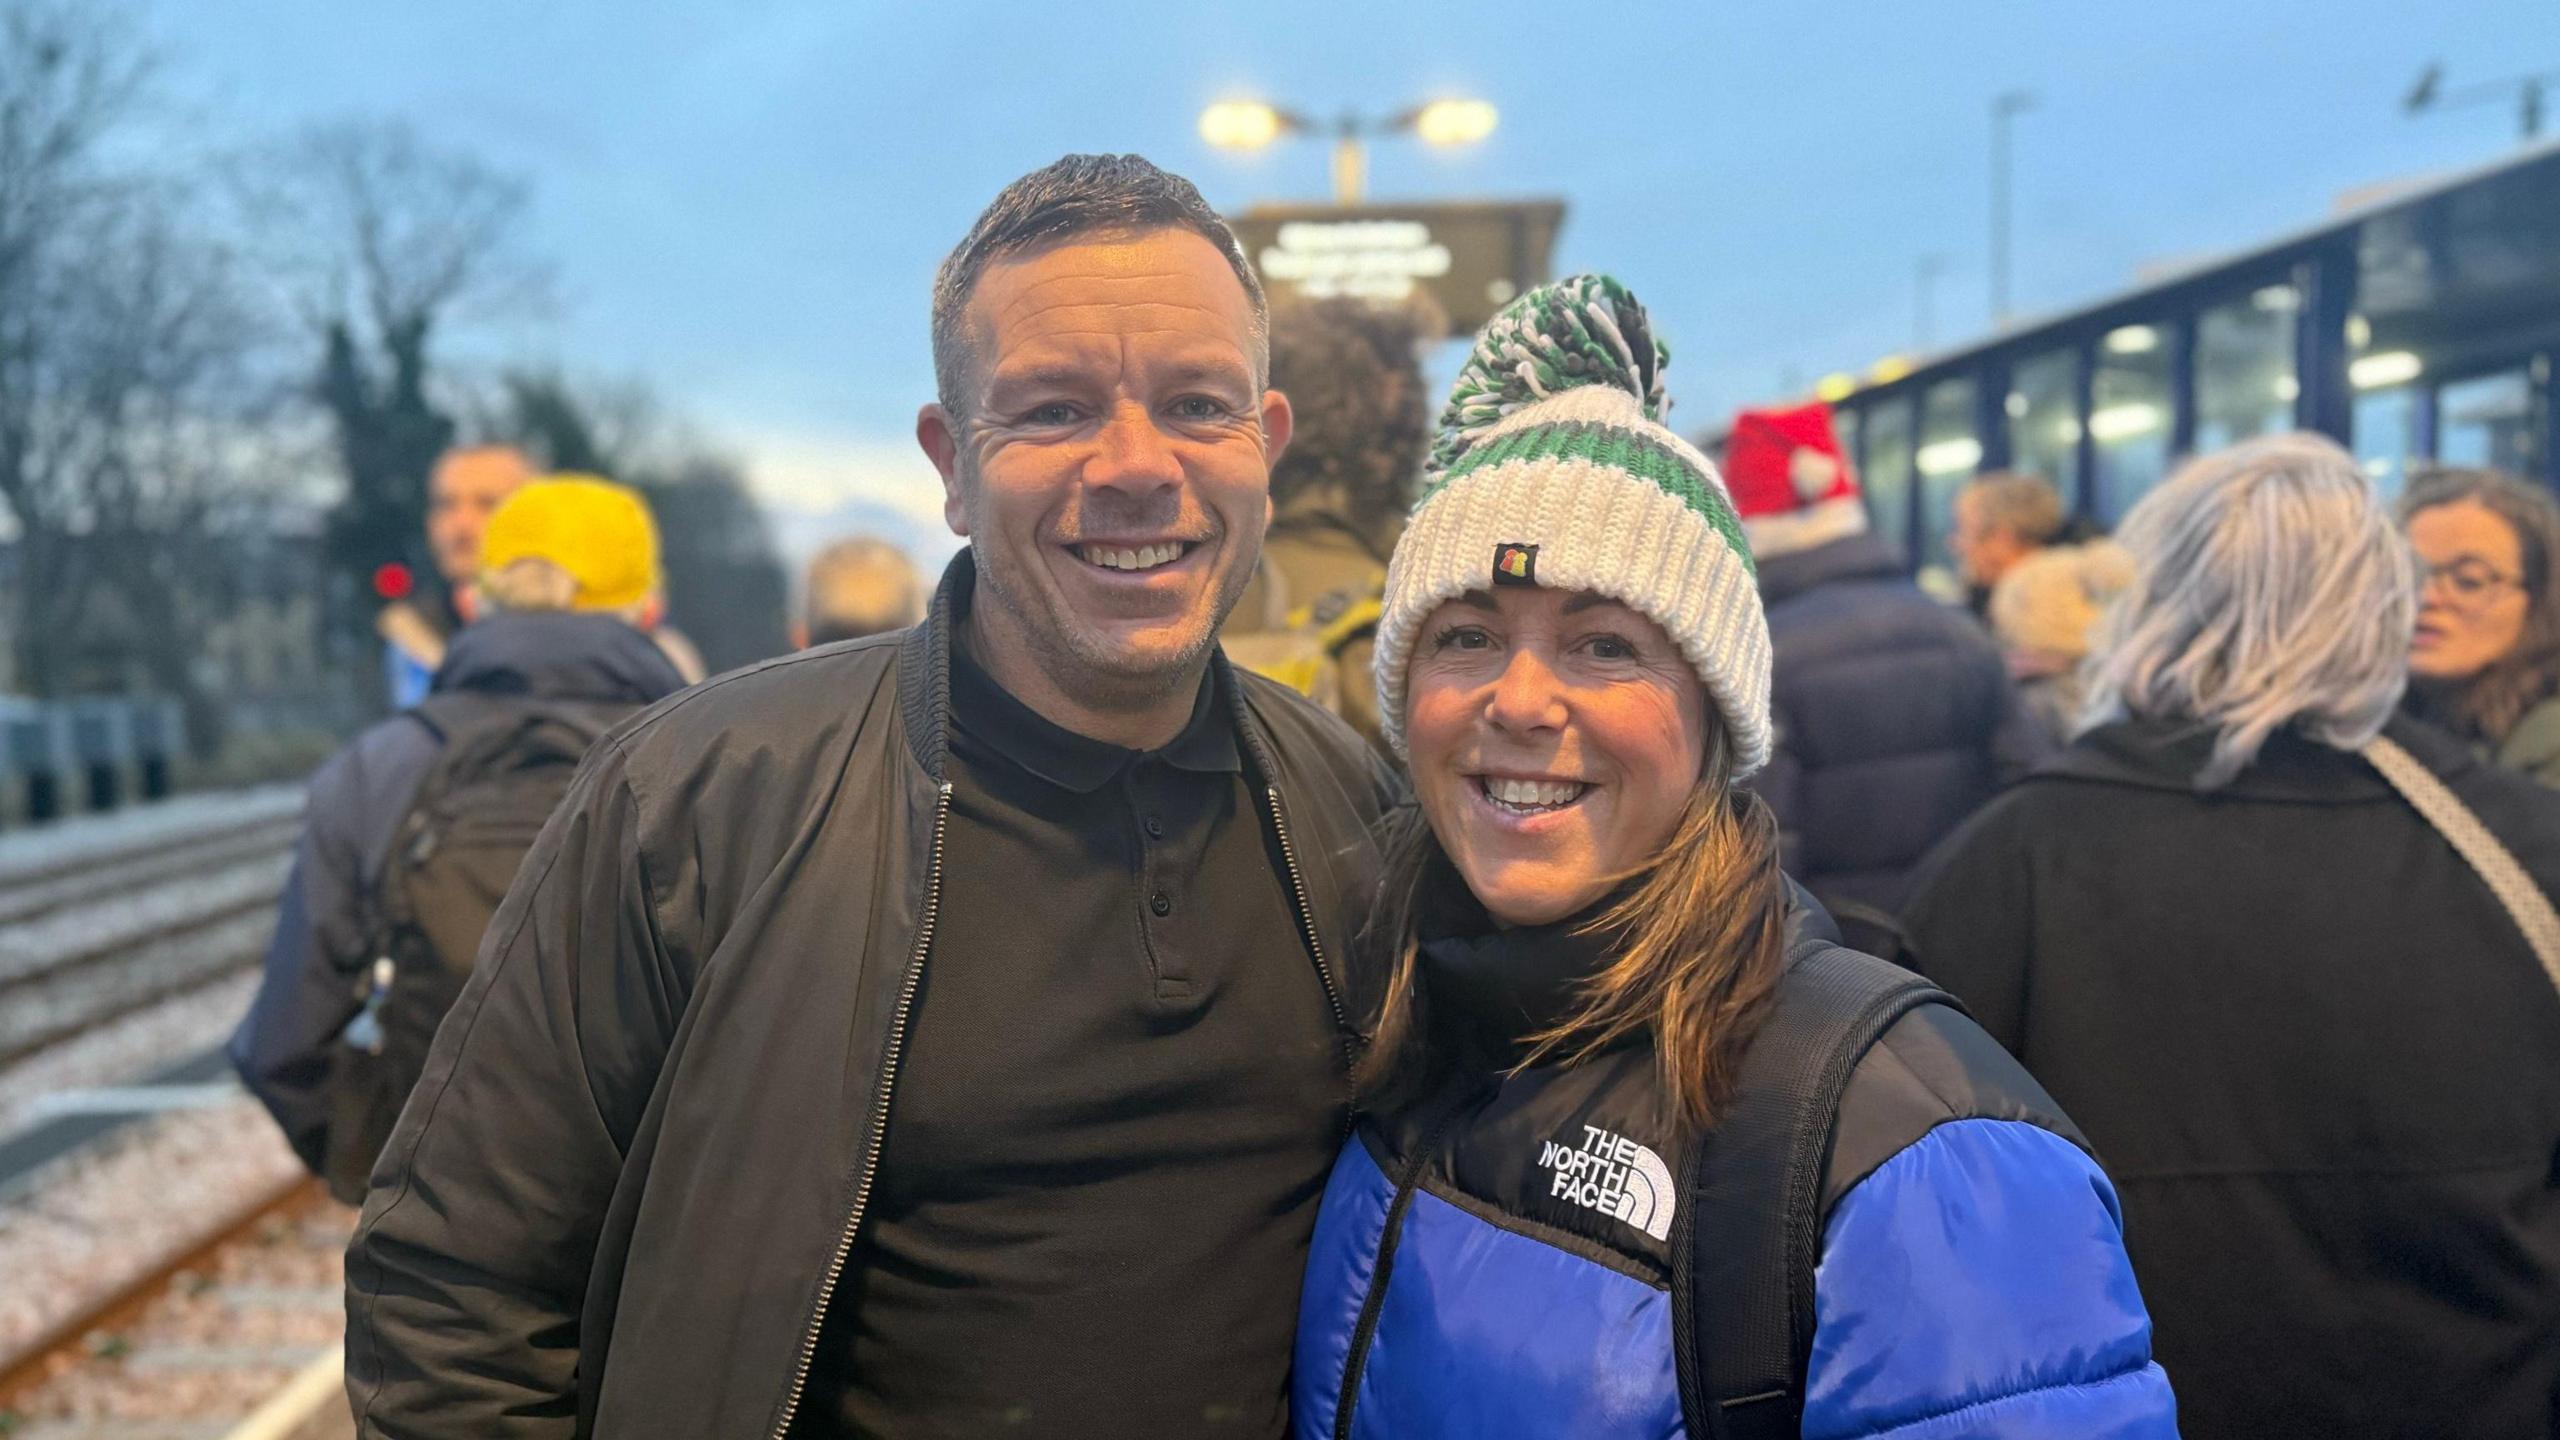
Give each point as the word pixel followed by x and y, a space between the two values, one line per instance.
pixel 1515 564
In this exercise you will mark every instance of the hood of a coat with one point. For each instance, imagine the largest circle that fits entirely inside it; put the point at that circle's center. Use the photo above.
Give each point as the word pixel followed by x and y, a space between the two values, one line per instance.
pixel 558 657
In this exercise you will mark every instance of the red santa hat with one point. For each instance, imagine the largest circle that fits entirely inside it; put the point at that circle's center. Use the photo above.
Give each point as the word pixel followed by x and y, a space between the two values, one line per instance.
pixel 1791 482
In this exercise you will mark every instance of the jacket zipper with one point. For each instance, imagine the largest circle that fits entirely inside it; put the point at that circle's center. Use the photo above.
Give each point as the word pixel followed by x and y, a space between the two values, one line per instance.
pixel 1355 1359
pixel 879 1115
pixel 1307 928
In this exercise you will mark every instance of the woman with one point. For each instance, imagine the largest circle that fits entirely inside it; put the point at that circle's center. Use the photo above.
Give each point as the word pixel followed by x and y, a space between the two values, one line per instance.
pixel 2485 661
pixel 1584 926
pixel 2042 611
pixel 2317 1051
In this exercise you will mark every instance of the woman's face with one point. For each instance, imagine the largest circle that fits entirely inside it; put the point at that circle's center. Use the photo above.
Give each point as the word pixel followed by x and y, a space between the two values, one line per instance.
pixel 1555 736
pixel 2475 602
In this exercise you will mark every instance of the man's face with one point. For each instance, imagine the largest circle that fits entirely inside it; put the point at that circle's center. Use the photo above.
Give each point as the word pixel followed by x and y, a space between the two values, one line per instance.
pixel 1983 551
pixel 466 488
pixel 1113 473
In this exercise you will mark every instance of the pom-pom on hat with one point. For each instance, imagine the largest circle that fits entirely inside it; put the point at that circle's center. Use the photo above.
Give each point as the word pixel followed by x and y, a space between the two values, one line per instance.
pixel 1553 467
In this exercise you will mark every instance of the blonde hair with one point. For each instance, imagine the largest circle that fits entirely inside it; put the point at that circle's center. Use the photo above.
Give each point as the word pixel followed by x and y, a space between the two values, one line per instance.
pixel 1701 935
pixel 535 586
pixel 2049 602
pixel 860 587
pixel 2270 589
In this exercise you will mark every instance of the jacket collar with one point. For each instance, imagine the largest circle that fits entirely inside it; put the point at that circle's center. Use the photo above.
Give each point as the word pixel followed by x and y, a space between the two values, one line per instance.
pixel 2166 755
pixel 1854 557
pixel 924 681
pixel 558 657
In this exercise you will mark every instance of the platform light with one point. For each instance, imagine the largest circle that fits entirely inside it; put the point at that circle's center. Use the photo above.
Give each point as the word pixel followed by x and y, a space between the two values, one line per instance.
pixel 2288 389
pixel 2016 404
pixel 2387 367
pixel 2359 332
pixel 1241 124
pixel 1949 457
pixel 2132 340
pixel 1889 369
pixel 2277 299
pixel 1455 122
pixel 1835 387
pixel 2123 422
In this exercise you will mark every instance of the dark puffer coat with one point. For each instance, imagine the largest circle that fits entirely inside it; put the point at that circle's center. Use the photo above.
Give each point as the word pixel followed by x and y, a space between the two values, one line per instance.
pixel 1894 717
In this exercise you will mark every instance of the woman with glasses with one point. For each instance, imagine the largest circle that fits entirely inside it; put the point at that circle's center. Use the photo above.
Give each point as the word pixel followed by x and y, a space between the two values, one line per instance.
pixel 2485 660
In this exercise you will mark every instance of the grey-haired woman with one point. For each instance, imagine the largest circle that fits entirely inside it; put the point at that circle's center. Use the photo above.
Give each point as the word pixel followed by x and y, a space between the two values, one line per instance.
pixel 2316 1049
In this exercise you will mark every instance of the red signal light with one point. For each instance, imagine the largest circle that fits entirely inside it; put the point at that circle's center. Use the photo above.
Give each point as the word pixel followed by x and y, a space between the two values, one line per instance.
pixel 393 581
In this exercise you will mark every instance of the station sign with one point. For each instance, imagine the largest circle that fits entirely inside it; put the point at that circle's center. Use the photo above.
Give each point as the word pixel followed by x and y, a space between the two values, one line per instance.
pixel 1469 257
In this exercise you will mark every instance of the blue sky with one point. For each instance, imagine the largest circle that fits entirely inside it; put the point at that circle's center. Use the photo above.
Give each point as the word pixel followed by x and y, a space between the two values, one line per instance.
pixel 744 202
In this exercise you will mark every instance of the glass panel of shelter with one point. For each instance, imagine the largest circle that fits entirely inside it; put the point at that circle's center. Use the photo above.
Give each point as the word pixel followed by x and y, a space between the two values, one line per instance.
pixel 1887 440
pixel 2131 412
pixel 1948 456
pixel 2244 367
pixel 2487 421
pixel 2044 419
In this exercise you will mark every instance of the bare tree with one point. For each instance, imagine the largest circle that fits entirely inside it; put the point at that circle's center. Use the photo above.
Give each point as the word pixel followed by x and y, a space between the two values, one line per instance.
pixel 380 243
pixel 126 345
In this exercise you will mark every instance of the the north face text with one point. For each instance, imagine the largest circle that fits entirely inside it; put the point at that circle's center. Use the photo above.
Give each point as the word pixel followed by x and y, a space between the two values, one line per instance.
pixel 1613 1175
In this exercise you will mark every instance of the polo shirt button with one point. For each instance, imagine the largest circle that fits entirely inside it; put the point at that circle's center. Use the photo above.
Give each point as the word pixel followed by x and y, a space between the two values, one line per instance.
pixel 1161 903
pixel 1155 828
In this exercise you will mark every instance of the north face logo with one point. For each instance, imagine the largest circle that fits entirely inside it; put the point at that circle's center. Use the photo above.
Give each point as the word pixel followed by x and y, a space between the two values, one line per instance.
pixel 1615 1176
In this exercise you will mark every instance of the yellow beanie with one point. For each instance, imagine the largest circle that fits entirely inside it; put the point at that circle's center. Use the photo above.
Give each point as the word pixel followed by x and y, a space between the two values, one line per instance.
pixel 597 531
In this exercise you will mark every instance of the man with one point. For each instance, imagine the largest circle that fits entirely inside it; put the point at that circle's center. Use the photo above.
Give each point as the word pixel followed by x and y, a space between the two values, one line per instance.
pixel 1894 714
pixel 2001 518
pixel 857 587
pixel 572 583
pixel 942 1033
pixel 1338 497
pixel 466 487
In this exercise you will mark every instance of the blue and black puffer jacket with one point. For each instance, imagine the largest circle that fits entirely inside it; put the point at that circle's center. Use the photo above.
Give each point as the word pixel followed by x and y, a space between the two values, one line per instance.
pixel 1497 1262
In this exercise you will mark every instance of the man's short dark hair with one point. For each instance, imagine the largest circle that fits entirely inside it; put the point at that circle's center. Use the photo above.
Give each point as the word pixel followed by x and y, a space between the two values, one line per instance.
pixel 1075 195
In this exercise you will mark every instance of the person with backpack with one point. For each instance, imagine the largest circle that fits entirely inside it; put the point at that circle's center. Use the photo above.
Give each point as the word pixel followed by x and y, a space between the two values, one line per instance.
pixel 1645 1151
pixel 1352 368
pixel 414 831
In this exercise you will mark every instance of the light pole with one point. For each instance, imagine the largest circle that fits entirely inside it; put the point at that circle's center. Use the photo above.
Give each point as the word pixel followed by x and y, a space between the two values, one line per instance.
pixel 1252 124
pixel 2429 94
pixel 2005 107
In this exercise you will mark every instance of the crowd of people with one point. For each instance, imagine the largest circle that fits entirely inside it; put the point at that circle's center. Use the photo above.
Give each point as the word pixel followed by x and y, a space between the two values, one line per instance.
pixel 1597 950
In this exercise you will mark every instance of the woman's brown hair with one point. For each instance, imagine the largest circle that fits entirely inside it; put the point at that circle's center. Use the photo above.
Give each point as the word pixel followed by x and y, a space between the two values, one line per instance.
pixel 2488 705
pixel 1700 944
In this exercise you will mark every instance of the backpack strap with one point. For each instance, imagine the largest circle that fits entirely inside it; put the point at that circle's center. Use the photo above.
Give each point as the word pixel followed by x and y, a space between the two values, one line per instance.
pixel 1750 1223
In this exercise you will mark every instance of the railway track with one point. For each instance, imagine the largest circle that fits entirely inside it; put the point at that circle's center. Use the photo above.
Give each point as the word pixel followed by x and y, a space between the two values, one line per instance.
pixel 111 929
pixel 205 1337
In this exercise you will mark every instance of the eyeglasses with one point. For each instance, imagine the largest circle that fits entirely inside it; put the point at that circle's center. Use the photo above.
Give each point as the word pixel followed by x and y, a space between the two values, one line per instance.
pixel 2471 581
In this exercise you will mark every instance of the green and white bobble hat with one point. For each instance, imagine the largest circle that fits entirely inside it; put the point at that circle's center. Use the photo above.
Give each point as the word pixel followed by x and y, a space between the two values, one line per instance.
pixel 1553 468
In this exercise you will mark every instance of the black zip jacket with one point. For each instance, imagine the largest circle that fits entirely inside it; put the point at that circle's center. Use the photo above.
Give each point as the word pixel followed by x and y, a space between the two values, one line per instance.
pixel 624 1191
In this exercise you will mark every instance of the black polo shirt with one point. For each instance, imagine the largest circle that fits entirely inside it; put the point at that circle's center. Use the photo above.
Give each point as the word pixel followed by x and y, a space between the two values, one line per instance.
pixel 1121 1091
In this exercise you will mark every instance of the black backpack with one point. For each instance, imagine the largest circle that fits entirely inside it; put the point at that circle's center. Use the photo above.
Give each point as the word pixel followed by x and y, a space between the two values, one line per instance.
pixel 1742 1332
pixel 502 766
